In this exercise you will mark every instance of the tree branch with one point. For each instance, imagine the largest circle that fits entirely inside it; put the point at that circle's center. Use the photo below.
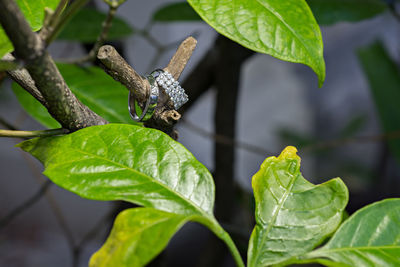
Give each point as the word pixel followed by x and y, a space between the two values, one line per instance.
pixel 202 77
pixel 122 72
pixel 178 62
pixel 165 117
pixel 29 47
pixel 24 79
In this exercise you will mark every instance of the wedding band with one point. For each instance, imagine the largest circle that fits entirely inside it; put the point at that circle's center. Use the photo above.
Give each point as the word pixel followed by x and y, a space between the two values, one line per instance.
pixel 171 87
pixel 150 105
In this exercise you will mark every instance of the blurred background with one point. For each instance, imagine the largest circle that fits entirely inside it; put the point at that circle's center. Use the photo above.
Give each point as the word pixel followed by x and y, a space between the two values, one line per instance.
pixel 244 107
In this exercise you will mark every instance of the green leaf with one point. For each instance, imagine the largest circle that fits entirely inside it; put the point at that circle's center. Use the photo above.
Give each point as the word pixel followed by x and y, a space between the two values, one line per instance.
pixel 370 237
pixel 286 29
pixel 384 80
pixel 86 26
pixel 92 86
pixel 130 163
pixel 34 14
pixel 180 11
pixel 137 236
pixel 328 12
pixel 293 215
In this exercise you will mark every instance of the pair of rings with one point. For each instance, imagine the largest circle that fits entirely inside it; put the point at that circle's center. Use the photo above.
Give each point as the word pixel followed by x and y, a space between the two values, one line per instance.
pixel 158 78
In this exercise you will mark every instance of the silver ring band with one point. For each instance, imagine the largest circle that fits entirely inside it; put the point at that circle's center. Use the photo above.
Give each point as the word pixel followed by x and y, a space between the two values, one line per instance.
pixel 171 87
pixel 150 105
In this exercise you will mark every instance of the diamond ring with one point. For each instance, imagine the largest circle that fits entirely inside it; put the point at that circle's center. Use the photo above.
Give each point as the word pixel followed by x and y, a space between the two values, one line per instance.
pixel 171 87
pixel 150 105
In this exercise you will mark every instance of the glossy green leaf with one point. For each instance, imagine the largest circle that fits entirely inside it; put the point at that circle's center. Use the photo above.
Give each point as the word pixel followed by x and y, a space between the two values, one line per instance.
pixel 384 79
pixel 292 215
pixel 332 11
pixel 92 86
pixel 86 26
pixel 130 163
pixel 284 29
pixel 34 14
pixel 370 237
pixel 180 11
pixel 137 236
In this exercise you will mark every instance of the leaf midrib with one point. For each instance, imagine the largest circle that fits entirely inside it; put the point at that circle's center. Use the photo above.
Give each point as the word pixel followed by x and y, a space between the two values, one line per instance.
pixel 206 215
pixel 251 46
pixel 283 199
pixel 323 251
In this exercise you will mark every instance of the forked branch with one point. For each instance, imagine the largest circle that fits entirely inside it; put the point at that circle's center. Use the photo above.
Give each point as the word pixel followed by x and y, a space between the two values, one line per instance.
pixel 165 117
pixel 30 48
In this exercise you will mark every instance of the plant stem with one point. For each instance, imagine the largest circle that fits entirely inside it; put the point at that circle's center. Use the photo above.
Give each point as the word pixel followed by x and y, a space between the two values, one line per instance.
pixel 100 39
pixel 28 134
pixel 233 249
pixel 224 236
pixel 52 19
pixel 66 16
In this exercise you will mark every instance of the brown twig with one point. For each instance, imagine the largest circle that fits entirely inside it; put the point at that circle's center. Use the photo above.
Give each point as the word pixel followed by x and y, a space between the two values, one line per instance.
pixel 202 77
pixel 165 117
pixel 181 57
pixel 30 48
pixel 24 79
pixel 121 71
pixel 162 49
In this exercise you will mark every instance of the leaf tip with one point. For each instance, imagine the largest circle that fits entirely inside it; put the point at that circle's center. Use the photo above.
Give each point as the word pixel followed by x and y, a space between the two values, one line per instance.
pixel 25 145
pixel 290 152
